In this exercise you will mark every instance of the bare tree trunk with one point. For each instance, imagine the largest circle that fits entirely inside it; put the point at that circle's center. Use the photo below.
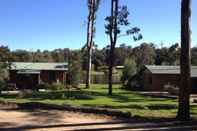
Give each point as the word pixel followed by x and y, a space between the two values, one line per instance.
pixel 111 63
pixel 113 39
pixel 88 74
pixel 185 60
pixel 90 32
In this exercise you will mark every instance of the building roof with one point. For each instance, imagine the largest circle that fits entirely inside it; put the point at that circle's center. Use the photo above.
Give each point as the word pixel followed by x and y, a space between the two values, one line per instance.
pixel 37 66
pixel 28 72
pixel 169 70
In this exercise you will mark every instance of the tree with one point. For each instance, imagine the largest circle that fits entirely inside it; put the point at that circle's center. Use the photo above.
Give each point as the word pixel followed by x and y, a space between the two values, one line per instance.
pixel 121 53
pixel 22 56
pixel 74 71
pixel 118 17
pixel 128 71
pixel 5 58
pixel 144 54
pixel 185 60
pixel 92 7
pixel 168 56
pixel 5 54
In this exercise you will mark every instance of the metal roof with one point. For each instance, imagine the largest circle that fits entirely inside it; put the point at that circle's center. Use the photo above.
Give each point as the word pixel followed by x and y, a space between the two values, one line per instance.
pixel 155 69
pixel 39 66
pixel 28 72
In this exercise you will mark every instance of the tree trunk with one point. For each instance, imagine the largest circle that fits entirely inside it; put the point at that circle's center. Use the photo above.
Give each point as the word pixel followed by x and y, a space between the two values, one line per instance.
pixel 113 39
pixel 88 74
pixel 111 63
pixel 185 62
pixel 90 32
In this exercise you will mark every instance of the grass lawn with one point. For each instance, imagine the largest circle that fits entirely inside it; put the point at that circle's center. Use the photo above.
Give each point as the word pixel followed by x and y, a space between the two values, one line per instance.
pixel 96 96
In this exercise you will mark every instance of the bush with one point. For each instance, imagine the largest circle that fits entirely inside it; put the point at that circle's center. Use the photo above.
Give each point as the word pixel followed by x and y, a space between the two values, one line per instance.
pixel 129 70
pixel 3 76
pixel 171 89
pixel 74 70
pixel 129 77
pixel 2 85
pixel 56 86
pixel 43 86
pixel 53 86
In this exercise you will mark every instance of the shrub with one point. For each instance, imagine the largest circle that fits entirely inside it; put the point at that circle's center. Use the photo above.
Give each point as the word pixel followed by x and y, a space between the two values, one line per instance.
pixel 130 77
pixel 3 76
pixel 2 85
pixel 53 86
pixel 171 89
pixel 129 70
pixel 74 70
pixel 25 93
pixel 43 86
pixel 56 86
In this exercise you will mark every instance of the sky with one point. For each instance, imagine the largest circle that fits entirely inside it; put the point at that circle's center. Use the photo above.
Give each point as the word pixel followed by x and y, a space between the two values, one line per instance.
pixel 52 24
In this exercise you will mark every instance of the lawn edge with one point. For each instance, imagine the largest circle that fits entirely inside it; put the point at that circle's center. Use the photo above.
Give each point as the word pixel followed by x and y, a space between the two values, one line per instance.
pixel 67 107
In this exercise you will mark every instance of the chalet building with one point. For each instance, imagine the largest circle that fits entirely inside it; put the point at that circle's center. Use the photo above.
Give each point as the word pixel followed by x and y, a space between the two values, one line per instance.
pixel 156 77
pixel 26 75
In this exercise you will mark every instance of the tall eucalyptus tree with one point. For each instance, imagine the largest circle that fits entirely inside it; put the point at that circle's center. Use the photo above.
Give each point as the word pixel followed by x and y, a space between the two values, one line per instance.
pixel 185 62
pixel 118 18
pixel 92 8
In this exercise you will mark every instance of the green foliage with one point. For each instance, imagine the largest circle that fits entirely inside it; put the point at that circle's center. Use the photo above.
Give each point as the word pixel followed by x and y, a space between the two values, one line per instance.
pixel 74 71
pixel 3 76
pixel 43 86
pixel 56 86
pixel 2 85
pixel 5 54
pixel 144 54
pixel 171 89
pixel 53 86
pixel 168 56
pixel 129 70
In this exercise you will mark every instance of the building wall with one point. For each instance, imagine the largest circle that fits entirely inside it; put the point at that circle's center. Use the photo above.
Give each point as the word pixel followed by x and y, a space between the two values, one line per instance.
pixel 156 82
pixel 45 76
pixel 12 76
pixel 160 80
pixel 23 81
pixel 146 80
pixel 52 76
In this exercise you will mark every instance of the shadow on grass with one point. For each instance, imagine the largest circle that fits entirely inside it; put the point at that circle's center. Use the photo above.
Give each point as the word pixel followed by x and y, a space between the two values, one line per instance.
pixel 62 95
pixel 131 106
pixel 162 106
pixel 138 106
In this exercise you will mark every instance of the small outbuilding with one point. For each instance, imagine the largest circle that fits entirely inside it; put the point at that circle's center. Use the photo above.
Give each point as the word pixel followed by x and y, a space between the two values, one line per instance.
pixel 27 75
pixel 154 77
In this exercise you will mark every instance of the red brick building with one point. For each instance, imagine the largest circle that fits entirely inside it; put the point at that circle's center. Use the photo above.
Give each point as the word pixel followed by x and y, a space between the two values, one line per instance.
pixel 156 77
pixel 26 75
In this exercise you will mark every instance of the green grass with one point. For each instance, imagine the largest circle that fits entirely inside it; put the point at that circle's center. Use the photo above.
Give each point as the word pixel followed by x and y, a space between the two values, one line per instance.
pixel 96 96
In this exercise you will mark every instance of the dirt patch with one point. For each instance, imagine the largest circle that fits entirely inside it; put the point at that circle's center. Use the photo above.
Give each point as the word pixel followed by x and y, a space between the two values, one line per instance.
pixel 55 120
pixel 46 120
pixel 13 118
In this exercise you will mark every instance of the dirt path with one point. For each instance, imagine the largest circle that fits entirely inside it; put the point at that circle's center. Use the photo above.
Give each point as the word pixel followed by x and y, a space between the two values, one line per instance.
pixel 53 120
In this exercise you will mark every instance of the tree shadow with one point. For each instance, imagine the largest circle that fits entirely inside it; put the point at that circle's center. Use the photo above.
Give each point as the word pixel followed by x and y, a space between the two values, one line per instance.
pixel 131 124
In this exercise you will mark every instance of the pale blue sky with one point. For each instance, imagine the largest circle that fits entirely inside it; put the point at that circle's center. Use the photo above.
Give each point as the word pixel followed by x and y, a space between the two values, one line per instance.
pixel 50 24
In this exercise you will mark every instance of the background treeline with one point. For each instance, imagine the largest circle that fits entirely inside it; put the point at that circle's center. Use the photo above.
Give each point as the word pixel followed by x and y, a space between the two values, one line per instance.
pixel 132 59
pixel 146 53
